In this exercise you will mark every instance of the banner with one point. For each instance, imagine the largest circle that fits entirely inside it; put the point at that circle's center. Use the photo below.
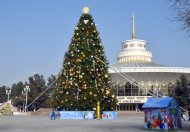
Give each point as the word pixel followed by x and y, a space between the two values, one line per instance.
pixel 70 115
pixel 88 114
pixel 83 115
pixel 109 115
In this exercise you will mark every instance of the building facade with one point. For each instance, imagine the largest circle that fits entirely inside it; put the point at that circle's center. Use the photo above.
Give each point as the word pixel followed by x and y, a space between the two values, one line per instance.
pixel 136 77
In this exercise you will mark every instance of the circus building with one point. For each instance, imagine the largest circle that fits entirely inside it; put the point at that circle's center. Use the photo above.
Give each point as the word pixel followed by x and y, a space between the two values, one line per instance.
pixel 136 77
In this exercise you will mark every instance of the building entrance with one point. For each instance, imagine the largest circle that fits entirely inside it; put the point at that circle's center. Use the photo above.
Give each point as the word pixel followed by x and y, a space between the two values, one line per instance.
pixel 127 107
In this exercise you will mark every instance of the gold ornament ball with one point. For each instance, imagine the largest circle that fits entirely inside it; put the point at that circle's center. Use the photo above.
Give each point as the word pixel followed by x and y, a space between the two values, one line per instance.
pixel 86 10
pixel 107 91
pixel 106 76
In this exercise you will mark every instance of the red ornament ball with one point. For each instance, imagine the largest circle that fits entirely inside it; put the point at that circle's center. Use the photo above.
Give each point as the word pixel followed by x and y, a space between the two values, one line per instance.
pixel 154 125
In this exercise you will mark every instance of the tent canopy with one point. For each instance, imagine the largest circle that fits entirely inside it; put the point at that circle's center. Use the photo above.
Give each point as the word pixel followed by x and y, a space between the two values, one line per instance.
pixel 157 102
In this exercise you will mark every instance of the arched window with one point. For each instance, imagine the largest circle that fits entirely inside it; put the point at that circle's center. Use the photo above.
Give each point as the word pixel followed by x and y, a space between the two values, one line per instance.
pixel 139 44
pixel 135 89
pixel 125 46
pixel 157 89
pixel 142 88
pixel 150 89
pixel 114 87
pixel 128 89
pixel 132 45
pixel 120 89
pixel 164 89
pixel 170 88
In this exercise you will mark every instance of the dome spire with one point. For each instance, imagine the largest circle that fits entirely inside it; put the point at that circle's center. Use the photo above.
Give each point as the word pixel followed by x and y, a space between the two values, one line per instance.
pixel 133 26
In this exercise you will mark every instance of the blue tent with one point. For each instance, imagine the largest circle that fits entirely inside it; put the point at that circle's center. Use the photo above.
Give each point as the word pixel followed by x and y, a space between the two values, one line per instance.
pixel 162 114
pixel 158 102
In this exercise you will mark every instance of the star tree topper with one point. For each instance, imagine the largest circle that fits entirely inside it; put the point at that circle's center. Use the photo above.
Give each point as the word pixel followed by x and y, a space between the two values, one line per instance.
pixel 86 10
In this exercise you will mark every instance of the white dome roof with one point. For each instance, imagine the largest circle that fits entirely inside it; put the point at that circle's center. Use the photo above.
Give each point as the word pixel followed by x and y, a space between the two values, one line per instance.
pixel 134 50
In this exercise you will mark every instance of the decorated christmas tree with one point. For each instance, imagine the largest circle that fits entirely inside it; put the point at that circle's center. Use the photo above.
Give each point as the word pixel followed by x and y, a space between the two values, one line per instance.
pixel 84 79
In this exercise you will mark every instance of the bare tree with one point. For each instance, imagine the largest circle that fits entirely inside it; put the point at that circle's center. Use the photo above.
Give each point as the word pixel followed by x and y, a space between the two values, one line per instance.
pixel 182 13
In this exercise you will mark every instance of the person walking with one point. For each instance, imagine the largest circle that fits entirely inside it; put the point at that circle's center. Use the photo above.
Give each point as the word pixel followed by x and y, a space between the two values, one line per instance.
pixel 53 115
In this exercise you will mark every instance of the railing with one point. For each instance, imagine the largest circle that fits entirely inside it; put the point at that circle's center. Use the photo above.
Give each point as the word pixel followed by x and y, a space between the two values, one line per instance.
pixel 184 111
pixel 151 69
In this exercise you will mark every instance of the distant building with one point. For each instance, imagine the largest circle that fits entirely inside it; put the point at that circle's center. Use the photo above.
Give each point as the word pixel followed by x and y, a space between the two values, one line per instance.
pixel 136 77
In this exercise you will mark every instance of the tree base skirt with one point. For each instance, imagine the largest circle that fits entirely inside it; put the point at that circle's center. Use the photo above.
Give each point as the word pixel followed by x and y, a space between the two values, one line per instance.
pixel 90 115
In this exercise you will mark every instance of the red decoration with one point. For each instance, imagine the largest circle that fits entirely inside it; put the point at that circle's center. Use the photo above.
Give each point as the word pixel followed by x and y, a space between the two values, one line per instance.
pixel 158 122
pixel 169 125
pixel 84 86
pixel 154 125
pixel 145 120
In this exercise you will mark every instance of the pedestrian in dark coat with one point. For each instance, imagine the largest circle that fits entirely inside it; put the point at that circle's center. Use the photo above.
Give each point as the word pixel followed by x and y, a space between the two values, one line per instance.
pixel 53 115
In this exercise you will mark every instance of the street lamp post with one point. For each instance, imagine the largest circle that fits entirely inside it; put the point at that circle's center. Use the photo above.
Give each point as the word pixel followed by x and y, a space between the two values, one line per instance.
pixel 26 90
pixel 8 92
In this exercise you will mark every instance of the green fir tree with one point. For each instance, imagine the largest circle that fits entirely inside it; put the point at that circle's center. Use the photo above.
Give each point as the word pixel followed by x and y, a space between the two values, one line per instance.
pixel 85 79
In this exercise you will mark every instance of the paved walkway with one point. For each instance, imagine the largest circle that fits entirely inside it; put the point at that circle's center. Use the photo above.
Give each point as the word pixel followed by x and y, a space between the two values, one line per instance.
pixel 43 124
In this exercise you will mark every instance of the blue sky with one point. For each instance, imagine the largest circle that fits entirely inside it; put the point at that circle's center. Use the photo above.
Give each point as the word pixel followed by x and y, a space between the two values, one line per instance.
pixel 34 34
